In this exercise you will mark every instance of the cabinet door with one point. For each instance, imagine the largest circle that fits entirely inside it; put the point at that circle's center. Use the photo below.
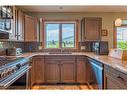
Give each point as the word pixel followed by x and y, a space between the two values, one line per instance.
pixel 92 28
pixel 13 34
pixel 30 28
pixel 52 71
pixel 67 71
pixel 20 26
pixel 111 83
pixel 114 79
pixel 37 71
pixel 81 69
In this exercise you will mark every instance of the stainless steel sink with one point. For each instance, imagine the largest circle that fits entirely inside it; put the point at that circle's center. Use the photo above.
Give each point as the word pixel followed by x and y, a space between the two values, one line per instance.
pixel 60 53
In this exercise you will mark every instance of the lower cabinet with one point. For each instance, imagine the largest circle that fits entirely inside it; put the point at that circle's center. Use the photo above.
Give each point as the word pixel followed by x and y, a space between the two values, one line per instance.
pixel 81 69
pixel 67 71
pixel 37 70
pixel 59 69
pixel 114 79
pixel 52 71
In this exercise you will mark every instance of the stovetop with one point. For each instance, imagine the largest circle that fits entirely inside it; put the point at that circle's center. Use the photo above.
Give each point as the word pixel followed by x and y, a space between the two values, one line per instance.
pixel 4 60
pixel 10 65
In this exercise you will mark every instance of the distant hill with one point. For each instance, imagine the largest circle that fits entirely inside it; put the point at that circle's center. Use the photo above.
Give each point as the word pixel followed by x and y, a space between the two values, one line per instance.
pixel 70 38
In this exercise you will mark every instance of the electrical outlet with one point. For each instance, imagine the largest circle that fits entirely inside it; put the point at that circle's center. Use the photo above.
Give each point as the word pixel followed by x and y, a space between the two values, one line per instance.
pixel 83 47
pixel 40 47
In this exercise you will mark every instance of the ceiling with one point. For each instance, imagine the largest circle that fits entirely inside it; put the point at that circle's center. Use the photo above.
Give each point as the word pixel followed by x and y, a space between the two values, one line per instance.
pixel 73 8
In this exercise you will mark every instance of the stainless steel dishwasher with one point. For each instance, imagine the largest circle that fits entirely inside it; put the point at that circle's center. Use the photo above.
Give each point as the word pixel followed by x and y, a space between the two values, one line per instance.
pixel 96 81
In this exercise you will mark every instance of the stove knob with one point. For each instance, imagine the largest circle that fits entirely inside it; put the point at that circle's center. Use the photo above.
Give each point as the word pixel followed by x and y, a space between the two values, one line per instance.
pixel 18 66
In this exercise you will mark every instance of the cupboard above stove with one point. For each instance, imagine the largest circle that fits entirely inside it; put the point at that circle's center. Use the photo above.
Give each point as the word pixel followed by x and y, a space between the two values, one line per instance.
pixel 20 27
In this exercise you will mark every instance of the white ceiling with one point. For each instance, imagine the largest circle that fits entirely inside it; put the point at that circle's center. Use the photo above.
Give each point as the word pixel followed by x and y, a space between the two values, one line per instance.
pixel 74 8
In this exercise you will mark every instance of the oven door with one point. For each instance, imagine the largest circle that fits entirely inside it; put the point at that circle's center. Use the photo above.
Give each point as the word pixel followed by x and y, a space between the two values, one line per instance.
pixel 19 80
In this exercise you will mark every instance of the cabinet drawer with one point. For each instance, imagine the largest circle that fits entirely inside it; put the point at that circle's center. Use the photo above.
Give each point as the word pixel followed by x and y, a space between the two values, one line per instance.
pixel 120 77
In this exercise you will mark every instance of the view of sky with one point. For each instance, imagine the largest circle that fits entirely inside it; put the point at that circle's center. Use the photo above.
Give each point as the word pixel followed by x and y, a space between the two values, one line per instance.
pixel 52 31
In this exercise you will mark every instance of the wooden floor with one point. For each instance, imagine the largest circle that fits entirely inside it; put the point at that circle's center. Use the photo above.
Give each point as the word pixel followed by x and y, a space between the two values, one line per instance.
pixel 60 87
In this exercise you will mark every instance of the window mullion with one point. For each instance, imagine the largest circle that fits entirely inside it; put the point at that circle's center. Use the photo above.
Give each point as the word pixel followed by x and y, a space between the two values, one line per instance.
pixel 60 36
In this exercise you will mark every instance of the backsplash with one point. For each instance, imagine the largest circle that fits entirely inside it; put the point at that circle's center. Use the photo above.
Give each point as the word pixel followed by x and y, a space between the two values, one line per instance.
pixel 26 46
pixel 86 46
pixel 33 46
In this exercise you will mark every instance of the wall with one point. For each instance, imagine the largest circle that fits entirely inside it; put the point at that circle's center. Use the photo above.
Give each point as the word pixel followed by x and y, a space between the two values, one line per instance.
pixel 107 20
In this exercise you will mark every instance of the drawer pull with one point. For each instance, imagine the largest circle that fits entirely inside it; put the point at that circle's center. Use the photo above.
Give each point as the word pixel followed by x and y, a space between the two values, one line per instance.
pixel 120 78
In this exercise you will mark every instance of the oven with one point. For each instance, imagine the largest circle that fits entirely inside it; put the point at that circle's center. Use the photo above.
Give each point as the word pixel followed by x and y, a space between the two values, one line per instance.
pixel 15 75
pixel 19 80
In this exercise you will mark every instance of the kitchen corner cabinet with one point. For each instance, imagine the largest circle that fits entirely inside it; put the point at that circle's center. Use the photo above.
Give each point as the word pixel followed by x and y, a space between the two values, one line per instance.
pixel 114 79
pixel 17 33
pixel 81 69
pixel 30 28
pixel 37 70
pixel 91 28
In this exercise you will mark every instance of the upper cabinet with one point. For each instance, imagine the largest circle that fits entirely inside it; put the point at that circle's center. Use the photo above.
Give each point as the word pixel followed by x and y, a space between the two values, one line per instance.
pixel 6 12
pixel 17 33
pixel 30 28
pixel 91 29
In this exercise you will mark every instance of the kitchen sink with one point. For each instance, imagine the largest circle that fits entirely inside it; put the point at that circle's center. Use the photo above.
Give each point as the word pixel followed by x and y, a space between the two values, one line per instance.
pixel 60 53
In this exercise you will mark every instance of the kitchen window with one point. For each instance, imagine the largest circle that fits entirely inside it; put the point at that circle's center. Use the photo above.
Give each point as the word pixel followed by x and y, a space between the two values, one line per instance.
pixel 121 33
pixel 60 34
pixel 120 36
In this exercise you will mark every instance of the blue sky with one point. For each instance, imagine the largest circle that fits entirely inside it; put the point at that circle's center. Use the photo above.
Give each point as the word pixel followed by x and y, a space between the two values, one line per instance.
pixel 53 31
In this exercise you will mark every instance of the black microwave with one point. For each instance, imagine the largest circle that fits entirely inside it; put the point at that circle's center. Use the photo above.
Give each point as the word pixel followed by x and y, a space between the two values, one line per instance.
pixel 101 47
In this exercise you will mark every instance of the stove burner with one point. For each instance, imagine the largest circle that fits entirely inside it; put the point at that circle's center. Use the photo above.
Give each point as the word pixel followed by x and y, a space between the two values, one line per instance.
pixel 5 59
pixel 10 65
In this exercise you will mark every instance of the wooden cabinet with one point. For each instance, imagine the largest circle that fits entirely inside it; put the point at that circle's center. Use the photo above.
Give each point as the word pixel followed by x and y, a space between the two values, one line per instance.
pixel 59 69
pixel 81 69
pixel 30 28
pixel 20 34
pixel 67 71
pixel 13 33
pixel 114 79
pixel 37 71
pixel 17 33
pixel 52 71
pixel 91 28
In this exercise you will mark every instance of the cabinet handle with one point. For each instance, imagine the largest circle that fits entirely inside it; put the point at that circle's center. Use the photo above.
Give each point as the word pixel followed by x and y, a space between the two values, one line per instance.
pixel 119 77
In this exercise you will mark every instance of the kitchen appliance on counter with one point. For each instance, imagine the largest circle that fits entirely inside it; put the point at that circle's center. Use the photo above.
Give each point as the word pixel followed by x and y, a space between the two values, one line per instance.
pixel 14 51
pixel 101 47
pixel 14 72
pixel 118 53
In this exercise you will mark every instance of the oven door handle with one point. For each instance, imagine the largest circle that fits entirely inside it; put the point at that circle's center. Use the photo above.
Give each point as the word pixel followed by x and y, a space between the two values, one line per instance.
pixel 6 83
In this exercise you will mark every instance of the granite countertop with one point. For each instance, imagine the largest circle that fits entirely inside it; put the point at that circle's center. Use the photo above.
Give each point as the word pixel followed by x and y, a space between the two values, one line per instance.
pixel 113 62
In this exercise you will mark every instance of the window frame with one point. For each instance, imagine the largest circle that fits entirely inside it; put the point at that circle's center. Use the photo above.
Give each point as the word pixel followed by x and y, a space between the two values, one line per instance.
pixel 115 34
pixel 60 32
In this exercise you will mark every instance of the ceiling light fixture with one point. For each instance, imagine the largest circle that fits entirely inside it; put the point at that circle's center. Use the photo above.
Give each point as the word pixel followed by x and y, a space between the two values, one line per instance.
pixel 118 22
